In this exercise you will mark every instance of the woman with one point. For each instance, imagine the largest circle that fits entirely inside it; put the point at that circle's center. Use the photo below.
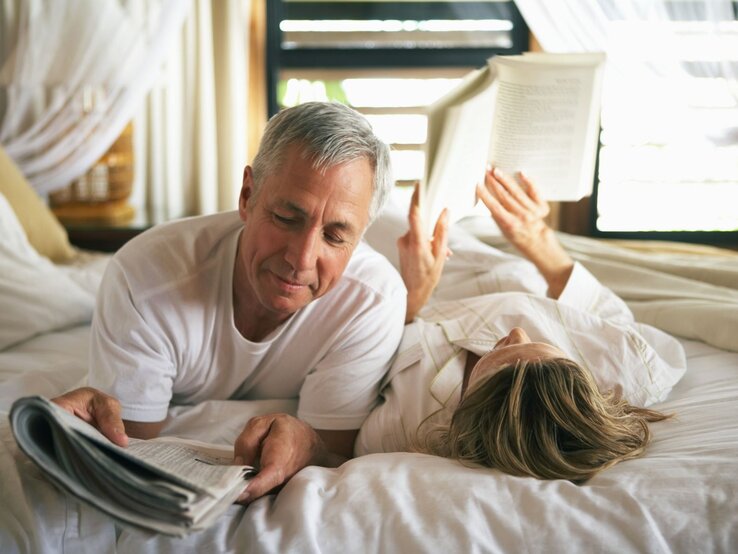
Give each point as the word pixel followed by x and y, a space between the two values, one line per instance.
pixel 546 378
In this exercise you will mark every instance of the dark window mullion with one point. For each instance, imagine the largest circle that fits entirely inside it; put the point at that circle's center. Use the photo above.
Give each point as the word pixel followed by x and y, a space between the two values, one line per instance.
pixel 388 57
pixel 400 10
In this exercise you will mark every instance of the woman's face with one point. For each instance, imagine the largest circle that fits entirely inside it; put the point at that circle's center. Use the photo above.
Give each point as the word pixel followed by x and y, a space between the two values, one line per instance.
pixel 514 347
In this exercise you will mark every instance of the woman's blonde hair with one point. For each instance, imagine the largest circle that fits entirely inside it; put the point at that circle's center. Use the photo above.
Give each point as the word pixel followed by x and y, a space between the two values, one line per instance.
pixel 544 419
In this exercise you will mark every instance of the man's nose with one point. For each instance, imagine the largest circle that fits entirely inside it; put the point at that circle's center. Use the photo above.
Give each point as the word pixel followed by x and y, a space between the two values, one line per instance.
pixel 302 251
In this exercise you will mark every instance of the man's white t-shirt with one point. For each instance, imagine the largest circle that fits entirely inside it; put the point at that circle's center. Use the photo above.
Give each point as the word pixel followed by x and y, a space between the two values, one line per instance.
pixel 163 331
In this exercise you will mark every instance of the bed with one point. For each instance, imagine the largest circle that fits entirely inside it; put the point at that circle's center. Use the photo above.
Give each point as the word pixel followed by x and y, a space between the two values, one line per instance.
pixel 681 497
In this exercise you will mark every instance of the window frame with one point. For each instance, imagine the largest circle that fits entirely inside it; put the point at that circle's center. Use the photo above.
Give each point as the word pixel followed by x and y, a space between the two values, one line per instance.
pixel 727 238
pixel 380 58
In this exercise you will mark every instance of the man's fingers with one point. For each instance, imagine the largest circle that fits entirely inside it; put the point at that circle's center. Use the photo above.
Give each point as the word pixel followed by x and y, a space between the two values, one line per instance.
pixel 248 443
pixel 106 413
pixel 268 478
pixel 98 409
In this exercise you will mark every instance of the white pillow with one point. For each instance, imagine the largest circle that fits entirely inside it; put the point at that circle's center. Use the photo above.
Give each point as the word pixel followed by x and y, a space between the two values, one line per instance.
pixel 35 295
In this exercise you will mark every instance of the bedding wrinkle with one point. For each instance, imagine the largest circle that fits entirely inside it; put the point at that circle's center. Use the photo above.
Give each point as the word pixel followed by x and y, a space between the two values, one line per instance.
pixel 681 497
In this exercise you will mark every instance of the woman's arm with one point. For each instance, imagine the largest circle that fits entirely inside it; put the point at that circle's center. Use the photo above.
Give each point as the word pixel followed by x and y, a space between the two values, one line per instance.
pixel 519 211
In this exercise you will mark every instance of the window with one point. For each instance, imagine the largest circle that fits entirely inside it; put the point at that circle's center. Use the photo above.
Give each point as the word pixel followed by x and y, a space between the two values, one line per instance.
pixel 668 164
pixel 388 60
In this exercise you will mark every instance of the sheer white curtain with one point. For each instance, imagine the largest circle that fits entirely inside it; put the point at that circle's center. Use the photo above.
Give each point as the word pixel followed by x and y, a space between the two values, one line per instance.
pixel 191 133
pixel 649 36
pixel 670 106
pixel 72 74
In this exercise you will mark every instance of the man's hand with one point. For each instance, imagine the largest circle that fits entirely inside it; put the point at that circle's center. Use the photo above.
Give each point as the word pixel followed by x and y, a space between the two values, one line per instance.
pixel 280 445
pixel 519 211
pixel 421 259
pixel 98 409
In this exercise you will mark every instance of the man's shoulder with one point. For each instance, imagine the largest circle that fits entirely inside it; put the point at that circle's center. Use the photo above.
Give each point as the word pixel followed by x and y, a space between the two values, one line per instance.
pixel 171 251
pixel 369 269
pixel 188 230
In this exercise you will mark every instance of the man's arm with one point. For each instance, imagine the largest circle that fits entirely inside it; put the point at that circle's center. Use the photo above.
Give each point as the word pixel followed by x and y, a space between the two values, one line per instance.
pixel 102 411
pixel 281 445
pixel 143 430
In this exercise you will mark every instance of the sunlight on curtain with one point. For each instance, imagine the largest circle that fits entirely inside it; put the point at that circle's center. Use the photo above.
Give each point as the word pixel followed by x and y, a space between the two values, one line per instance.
pixel 72 73
pixel 191 132
pixel 669 160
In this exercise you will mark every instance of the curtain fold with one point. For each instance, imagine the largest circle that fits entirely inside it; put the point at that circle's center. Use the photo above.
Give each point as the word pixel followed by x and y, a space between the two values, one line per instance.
pixel 72 74
pixel 634 30
pixel 192 133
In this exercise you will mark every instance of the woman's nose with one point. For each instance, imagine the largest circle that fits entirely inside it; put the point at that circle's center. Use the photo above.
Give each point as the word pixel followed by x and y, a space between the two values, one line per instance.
pixel 517 336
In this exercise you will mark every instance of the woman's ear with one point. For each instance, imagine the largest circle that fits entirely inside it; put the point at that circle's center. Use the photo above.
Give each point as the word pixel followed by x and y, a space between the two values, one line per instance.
pixel 247 192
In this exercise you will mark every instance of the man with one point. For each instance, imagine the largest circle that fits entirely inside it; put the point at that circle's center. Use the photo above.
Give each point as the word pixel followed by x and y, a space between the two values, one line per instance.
pixel 278 300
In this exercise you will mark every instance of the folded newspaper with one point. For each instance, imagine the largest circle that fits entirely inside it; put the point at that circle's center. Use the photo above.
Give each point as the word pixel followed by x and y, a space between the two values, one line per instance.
pixel 173 486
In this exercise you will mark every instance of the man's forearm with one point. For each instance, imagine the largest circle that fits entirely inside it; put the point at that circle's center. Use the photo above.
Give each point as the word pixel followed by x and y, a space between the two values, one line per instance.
pixel 143 430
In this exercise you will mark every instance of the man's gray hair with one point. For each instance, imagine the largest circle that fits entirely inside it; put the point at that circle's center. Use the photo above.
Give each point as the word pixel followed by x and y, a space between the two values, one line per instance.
pixel 330 134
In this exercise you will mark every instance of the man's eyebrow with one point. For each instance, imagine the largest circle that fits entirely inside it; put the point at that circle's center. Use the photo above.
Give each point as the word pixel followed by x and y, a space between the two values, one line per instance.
pixel 287 205
pixel 341 225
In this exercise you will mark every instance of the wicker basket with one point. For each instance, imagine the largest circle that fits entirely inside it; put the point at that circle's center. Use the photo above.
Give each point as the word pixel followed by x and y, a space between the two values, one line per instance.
pixel 101 194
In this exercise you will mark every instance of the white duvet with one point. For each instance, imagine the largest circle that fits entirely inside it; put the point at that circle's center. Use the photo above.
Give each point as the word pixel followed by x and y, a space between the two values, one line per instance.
pixel 681 497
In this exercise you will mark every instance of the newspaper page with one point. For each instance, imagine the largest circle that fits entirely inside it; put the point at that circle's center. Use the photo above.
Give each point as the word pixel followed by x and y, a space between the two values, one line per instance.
pixel 163 484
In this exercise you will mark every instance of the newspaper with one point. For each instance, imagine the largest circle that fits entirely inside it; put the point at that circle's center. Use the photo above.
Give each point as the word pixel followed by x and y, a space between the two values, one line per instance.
pixel 173 486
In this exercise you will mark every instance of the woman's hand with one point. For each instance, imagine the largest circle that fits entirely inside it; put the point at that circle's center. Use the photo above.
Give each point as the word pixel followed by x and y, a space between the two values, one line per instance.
pixel 517 208
pixel 421 259
pixel 520 212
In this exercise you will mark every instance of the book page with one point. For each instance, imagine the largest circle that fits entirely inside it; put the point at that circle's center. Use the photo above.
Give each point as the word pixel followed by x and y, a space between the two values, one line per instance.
pixel 546 121
pixel 463 148
pixel 457 147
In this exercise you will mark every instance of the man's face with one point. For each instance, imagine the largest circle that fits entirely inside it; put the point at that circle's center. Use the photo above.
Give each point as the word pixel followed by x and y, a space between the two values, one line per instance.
pixel 300 231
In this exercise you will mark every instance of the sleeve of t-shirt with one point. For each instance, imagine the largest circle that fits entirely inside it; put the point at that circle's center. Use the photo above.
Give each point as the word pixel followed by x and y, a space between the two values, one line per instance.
pixel 128 358
pixel 342 389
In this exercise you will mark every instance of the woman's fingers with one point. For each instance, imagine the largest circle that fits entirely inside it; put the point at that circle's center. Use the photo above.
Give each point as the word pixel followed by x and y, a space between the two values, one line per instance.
pixel 414 216
pixel 495 182
pixel 439 244
pixel 518 190
pixel 520 197
pixel 532 192
pixel 504 219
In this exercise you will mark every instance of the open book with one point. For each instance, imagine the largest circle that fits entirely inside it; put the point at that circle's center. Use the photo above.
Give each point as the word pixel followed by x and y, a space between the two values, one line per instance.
pixel 169 485
pixel 535 112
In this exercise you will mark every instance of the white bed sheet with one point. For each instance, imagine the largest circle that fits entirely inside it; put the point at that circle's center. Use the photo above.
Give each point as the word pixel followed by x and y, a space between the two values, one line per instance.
pixel 681 497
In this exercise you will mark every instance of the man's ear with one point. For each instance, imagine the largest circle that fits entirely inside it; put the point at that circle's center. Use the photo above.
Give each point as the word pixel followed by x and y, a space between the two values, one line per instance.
pixel 247 192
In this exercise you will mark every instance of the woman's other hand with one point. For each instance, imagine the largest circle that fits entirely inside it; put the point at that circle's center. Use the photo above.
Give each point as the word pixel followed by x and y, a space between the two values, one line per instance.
pixel 520 212
pixel 421 259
